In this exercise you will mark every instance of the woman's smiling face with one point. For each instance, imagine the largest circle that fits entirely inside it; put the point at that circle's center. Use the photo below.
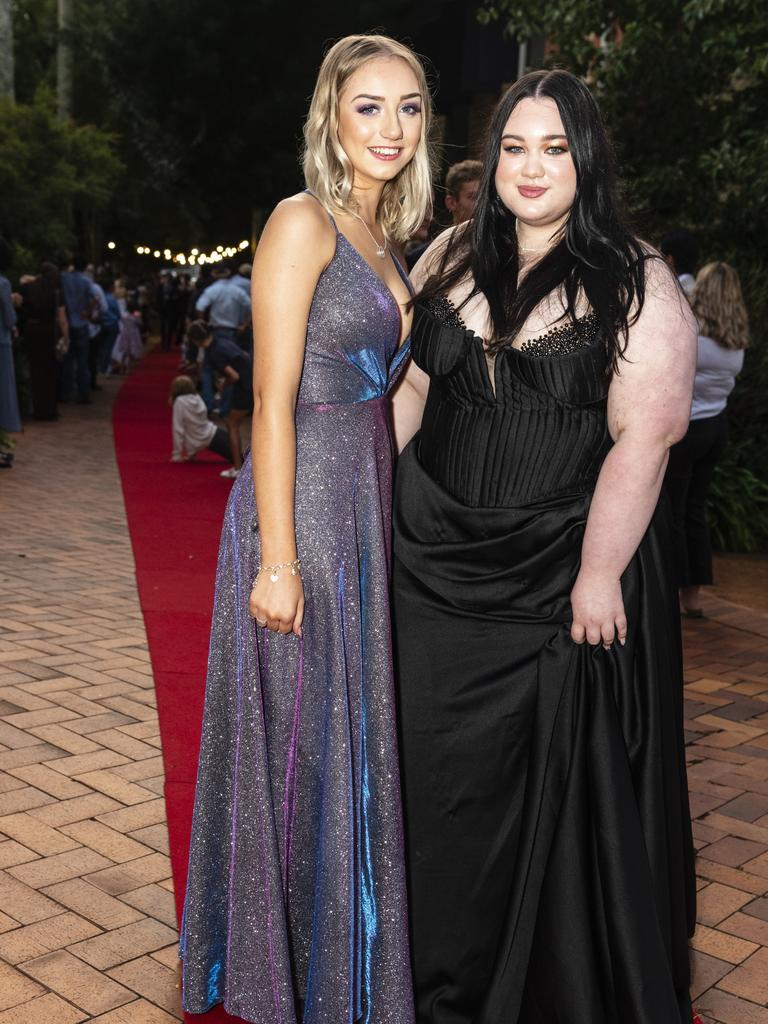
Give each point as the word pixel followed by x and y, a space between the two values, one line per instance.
pixel 536 176
pixel 380 119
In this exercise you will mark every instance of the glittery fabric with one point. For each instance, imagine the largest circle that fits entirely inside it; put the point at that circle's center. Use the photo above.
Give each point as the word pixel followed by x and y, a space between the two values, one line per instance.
pixel 296 908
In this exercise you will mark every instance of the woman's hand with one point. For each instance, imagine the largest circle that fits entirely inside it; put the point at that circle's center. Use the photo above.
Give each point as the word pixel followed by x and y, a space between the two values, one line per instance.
pixel 278 606
pixel 598 611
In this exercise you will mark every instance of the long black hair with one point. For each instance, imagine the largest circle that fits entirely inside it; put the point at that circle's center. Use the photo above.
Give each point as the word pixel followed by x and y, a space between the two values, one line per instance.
pixel 596 253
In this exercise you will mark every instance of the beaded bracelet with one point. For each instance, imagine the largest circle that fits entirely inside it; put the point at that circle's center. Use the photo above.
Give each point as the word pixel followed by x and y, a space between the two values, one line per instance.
pixel 274 570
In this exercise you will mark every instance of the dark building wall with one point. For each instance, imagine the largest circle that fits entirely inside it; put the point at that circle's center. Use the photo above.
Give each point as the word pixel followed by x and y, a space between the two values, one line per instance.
pixel 471 64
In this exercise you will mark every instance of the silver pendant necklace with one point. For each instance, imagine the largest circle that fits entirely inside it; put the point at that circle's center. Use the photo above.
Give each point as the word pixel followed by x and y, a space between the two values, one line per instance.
pixel 381 249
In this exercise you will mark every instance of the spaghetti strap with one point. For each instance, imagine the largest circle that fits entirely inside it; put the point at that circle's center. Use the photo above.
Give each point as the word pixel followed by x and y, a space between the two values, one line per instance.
pixel 330 216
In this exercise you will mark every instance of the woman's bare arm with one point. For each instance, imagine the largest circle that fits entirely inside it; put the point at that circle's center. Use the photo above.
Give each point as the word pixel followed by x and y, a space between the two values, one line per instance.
pixel 298 242
pixel 649 404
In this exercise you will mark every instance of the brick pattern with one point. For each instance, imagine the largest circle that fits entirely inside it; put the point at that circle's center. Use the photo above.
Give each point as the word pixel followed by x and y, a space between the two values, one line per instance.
pixel 726 712
pixel 87 922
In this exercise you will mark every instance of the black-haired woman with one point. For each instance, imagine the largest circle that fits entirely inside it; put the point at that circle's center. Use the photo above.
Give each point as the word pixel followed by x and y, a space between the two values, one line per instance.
pixel 537 625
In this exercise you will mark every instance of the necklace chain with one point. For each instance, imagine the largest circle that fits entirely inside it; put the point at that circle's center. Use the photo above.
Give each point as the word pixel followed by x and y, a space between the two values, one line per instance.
pixel 381 249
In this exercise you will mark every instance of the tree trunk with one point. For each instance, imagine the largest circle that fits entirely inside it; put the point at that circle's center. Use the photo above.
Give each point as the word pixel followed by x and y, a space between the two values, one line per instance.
pixel 6 50
pixel 64 60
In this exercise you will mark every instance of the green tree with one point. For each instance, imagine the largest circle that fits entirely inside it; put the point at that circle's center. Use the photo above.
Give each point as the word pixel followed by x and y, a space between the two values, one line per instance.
pixel 56 180
pixel 683 86
pixel 207 102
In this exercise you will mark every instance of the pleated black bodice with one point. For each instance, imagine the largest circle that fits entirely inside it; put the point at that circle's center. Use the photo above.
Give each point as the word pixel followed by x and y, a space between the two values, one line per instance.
pixel 540 433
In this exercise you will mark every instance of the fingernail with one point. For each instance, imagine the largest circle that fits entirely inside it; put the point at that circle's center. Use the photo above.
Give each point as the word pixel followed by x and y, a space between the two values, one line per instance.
pixel 622 640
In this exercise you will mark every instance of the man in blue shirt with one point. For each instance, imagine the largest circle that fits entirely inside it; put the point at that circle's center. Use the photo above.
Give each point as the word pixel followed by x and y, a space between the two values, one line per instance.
pixel 227 307
pixel 243 278
pixel 226 358
pixel 80 302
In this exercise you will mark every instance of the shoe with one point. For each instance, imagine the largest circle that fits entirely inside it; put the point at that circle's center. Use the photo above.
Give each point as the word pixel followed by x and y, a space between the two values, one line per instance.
pixel 230 474
pixel 692 613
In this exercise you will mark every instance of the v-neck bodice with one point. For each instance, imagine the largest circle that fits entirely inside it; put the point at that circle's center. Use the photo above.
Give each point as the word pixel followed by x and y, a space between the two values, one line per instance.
pixel 353 351
pixel 538 430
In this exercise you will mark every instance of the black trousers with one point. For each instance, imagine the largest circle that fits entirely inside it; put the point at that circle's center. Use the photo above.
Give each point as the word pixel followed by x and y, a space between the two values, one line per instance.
pixel 220 444
pixel 692 463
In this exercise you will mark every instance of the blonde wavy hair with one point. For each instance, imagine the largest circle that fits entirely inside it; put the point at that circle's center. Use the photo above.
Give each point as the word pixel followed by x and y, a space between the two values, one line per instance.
pixel 719 307
pixel 328 173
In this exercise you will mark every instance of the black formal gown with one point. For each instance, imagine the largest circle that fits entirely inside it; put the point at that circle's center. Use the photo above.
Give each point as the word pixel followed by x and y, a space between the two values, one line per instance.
pixel 549 842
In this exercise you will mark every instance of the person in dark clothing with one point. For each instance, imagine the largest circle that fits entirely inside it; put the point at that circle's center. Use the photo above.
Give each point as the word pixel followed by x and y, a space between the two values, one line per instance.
pixel 44 321
pixel 167 307
pixel 81 301
pixel 226 358
pixel 110 326
pixel 680 249
pixel 718 304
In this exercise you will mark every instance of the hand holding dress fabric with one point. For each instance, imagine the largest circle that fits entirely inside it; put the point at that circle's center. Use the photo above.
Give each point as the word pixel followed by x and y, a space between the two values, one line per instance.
pixel 598 611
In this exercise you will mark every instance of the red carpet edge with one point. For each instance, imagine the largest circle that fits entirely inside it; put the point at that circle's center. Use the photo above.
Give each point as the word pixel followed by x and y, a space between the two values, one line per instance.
pixel 174 513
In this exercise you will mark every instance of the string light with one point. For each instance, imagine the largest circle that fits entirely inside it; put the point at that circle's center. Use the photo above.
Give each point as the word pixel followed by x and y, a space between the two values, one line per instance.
pixel 111 245
pixel 194 257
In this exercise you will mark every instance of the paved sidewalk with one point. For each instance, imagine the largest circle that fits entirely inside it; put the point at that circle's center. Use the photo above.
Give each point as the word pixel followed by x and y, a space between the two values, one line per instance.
pixel 87 923
pixel 87 919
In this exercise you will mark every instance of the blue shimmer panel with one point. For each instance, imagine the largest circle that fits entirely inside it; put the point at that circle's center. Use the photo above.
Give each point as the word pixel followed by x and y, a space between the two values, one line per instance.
pixel 296 910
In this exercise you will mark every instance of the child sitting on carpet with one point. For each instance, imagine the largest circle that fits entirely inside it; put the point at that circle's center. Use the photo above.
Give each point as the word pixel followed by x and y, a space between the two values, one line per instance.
pixel 192 430
pixel 224 357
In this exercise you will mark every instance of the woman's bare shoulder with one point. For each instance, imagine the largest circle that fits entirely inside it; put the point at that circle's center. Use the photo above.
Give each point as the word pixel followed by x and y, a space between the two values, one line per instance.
pixel 301 221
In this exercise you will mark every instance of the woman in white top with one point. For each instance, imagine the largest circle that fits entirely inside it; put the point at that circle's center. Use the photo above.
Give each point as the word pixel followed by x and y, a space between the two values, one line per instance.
pixel 723 335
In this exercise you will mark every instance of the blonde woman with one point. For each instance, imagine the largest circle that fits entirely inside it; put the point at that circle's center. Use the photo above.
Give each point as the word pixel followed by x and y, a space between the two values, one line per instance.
pixel 723 335
pixel 295 906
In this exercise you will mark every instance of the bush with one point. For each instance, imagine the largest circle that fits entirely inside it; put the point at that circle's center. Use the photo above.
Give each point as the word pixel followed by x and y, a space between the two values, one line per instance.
pixel 738 504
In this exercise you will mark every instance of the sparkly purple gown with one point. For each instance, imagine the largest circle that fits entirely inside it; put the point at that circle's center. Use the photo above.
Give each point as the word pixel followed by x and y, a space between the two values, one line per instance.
pixel 296 908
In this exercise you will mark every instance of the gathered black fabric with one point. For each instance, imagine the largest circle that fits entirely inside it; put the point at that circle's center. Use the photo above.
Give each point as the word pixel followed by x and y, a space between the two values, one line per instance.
pixel 549 842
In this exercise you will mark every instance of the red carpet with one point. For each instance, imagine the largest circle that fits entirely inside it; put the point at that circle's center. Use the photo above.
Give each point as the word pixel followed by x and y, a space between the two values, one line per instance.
pixel 174 515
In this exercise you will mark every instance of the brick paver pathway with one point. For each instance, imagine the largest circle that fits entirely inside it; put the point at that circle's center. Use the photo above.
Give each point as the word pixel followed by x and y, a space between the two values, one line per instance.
pixel 87 923
pixel 87 918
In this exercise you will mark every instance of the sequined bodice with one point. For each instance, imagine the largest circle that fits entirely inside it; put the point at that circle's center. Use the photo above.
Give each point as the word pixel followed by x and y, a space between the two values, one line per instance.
pixel 537 431
pixel 558 341
pixel 353 334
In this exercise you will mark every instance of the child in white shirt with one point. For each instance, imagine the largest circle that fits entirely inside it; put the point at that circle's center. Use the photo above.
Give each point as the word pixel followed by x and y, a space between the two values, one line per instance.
pixel 192 430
